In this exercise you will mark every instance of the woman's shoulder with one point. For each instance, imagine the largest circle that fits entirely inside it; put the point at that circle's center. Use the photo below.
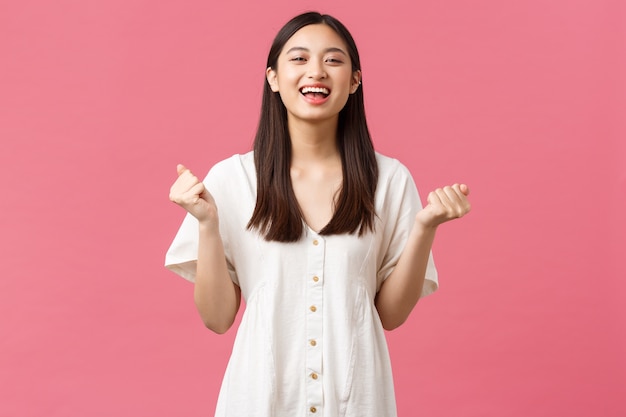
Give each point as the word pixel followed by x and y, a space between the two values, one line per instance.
pixel 234 162
pixel 234 166
pixel 232 182
pixel 389 167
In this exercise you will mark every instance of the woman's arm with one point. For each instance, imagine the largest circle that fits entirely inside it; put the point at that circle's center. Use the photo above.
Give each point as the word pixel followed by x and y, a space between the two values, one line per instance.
pixel 402 289
pixel 216 296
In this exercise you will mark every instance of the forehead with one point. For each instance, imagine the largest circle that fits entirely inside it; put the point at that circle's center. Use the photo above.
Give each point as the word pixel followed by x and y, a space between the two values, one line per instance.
pixel 316 37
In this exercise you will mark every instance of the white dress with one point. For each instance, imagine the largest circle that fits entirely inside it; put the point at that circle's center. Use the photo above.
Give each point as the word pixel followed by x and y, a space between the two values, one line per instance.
pixel 310 342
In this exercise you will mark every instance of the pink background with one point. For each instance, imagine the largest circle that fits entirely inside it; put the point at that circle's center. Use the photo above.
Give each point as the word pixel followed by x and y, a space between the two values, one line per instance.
pixel 524 101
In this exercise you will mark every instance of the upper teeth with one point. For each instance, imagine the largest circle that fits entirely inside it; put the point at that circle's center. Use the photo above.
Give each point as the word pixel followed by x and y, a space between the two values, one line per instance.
pixel 315 90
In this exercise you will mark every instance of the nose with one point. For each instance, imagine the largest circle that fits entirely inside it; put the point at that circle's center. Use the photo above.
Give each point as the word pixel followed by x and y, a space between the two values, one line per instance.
pixel 316 70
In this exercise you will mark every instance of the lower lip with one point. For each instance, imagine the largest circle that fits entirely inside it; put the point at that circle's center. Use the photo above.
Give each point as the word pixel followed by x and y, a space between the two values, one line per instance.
pixel 315 100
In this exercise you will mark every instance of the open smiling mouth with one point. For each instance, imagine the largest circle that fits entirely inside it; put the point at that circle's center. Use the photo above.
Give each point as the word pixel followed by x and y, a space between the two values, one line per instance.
pixel 315 92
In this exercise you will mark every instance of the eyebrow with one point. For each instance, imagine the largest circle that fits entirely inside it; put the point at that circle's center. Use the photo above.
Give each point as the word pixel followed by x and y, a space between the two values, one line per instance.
pixel 302 48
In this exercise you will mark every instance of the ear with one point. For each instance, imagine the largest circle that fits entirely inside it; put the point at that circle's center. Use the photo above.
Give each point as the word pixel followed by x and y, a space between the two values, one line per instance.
pixel 270 74
pixel 356 81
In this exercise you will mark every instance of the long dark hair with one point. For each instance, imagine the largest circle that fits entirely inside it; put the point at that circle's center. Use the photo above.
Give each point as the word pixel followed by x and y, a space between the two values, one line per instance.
pixel 277 215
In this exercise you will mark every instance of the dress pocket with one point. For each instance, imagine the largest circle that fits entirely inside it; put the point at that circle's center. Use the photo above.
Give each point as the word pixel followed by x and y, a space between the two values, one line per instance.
pixel 354 357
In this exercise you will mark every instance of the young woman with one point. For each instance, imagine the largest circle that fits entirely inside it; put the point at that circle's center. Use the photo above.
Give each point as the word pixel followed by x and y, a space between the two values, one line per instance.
pixel 325 238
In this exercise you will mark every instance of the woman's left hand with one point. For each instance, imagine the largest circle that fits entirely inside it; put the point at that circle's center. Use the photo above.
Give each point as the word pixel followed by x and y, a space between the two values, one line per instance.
pixel 444 204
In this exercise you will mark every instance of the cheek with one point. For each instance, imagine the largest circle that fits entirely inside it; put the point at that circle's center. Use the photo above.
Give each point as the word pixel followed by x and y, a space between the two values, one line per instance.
pixel 289 74
pixel 346 81
pixel 288 84
pixel 345 87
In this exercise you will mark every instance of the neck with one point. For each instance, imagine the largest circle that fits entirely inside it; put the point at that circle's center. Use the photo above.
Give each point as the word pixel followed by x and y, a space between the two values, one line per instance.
pixel 313 141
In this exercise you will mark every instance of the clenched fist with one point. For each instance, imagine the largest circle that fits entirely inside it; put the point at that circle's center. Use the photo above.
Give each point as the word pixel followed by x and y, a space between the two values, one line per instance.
pixel 445 204
pixel 189 193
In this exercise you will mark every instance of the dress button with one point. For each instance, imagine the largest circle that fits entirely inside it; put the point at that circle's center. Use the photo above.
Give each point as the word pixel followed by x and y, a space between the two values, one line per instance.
pixel 315 279
pixel 313 308
pixel 313 342
pixel 315 242
pixel 313 409
pixel 314 375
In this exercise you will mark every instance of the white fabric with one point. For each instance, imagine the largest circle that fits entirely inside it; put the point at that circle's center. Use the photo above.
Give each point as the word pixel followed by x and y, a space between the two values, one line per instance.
pixel 288 360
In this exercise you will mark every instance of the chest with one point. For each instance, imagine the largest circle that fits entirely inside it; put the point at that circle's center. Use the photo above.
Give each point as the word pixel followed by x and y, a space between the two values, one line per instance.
pixel 316 194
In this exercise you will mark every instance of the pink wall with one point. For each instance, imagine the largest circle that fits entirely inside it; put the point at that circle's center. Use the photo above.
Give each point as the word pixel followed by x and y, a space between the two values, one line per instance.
pixel 525 101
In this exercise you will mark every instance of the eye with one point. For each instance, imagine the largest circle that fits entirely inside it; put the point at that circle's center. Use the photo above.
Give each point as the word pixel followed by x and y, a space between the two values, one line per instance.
pixel 333 60
pixel 297 59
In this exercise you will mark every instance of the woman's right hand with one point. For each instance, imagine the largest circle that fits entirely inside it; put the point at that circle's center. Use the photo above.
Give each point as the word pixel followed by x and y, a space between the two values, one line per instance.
pixel 190 193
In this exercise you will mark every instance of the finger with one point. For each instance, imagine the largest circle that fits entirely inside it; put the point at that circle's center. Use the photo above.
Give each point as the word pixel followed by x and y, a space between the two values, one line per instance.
pixel 186 180
pixel 180 168
pixel 433 199
pixel 460 195
pixel 188 197
pixel 452 193
pixel 455 200
pixel 445 198
pixel 183 184
pixel 445 205
pixel 196 191
pixel 462 203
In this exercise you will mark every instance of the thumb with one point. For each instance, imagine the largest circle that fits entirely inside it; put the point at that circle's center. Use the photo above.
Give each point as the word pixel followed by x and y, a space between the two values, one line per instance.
pixel 180 168
pixel 464 189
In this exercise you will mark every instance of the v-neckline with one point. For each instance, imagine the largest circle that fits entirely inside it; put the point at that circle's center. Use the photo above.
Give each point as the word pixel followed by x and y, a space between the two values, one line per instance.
pixel 310 229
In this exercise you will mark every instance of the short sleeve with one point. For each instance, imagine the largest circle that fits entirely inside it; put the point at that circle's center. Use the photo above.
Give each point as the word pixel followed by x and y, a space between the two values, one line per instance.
pixel 182 255
pixel 399 208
